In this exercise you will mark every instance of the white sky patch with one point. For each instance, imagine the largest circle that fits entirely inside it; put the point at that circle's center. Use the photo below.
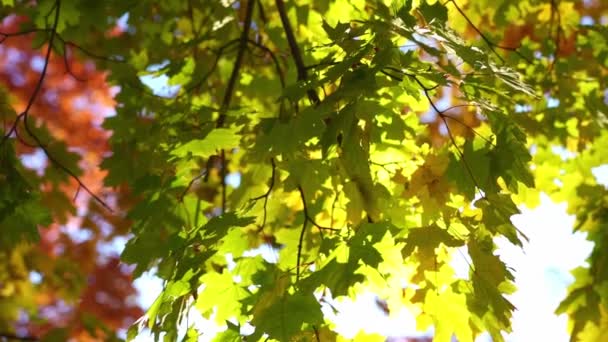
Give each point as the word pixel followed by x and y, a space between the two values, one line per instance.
pixel 123 21
pixel 461 263
pixel 149 286
pixel 542 270
pixel 35 160
pixel 160 85
pixel 233 179
pixel 601 174
pixel 270 254
pixel 364 314
pixel 563 152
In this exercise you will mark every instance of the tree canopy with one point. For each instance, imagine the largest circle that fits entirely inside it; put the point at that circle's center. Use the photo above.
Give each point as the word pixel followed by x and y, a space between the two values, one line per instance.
pixel 364 143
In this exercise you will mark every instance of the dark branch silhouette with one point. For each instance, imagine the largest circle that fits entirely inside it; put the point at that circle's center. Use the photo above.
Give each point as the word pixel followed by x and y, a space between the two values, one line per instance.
pixel 295 50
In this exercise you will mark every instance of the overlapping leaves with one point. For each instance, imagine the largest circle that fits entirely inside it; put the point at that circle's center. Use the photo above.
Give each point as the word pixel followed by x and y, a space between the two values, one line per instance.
pixel 313 117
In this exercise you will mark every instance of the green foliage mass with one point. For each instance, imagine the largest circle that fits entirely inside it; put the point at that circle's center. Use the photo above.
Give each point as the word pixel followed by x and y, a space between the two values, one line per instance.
pixel 321 110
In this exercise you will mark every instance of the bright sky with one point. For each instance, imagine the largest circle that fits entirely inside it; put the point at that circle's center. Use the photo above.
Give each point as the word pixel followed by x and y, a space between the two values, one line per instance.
pixel 542 270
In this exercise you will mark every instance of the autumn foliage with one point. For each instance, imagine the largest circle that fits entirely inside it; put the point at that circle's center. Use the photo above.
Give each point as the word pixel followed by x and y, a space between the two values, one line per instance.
pixel 78 272
pixel 358 146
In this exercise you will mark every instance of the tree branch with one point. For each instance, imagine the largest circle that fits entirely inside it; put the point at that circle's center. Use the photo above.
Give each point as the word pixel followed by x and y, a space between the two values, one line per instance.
pixel 5 35
pixel 301 239
pixel 12 337
pixel 238 62
pixel 295 50
pixel 234 76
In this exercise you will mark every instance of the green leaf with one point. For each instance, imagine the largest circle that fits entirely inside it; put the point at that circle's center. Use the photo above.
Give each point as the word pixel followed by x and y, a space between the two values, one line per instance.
pixel 489 276
pixel 288 315
pixel 471 169
pixel 435 12
pixel 338 277
pixel 232 334
pixel 404 13
pixel 222 294
pixel 427 239
pixel 21 212
pixel 497 211
pixel 217 227
pixel 217 139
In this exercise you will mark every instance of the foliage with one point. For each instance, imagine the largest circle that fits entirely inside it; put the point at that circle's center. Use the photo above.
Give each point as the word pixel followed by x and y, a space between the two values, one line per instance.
pixel 372 142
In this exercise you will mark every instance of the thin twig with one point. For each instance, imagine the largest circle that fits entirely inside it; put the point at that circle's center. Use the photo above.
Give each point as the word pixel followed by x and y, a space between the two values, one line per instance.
pixel 68 69
pixel 322 64
pixel 218 56
pixel 441 115
pixel 490 44
pixel 467 126
pixel 21 33
pixel 23 141
pixel 460 153
pixel 11 130
pixel 262 12
pixel 77 193
pixel 307 213
pixel 191 183
pixel 333 208
pixel 88 52
pixel 493 46
pixel 223 178
pixel 307 218
pixel 266 195
pixel 274 58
